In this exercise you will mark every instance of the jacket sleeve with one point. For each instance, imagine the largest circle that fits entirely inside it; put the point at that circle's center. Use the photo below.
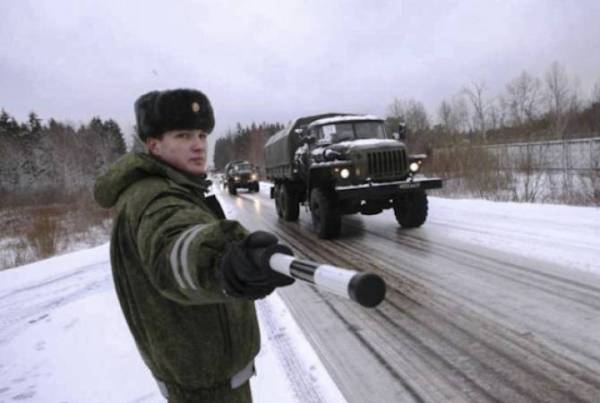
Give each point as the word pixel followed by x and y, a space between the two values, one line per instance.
pixel 180 245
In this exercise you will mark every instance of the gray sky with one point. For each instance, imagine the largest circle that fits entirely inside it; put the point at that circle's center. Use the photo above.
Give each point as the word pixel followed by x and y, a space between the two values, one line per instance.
pixel 275 60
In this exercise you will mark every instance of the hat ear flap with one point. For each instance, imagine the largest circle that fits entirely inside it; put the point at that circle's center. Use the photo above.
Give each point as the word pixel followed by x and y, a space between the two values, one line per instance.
pixel 145 108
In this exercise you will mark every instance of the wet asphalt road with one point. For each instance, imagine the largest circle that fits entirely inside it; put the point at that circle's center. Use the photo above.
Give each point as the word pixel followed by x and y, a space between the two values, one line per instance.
pixel 458 324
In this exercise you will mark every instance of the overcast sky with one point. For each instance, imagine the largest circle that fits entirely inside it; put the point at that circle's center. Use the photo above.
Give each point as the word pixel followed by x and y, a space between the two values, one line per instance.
pixel 275 60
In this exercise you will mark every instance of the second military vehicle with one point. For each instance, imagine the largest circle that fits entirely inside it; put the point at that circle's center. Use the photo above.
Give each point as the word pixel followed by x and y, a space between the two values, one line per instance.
pixel 345 164
pixel 240 174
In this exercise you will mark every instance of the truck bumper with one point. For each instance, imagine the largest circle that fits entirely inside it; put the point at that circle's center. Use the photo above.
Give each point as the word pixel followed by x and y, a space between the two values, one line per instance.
pixel 243 183
pixel 386 190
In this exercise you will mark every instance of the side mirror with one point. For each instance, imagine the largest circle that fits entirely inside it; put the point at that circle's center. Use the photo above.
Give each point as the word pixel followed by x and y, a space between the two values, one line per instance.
pixel 308 139
pixel 401 135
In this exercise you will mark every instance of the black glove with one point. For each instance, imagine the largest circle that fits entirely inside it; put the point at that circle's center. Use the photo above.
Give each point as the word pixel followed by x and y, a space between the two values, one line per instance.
pixel 244 271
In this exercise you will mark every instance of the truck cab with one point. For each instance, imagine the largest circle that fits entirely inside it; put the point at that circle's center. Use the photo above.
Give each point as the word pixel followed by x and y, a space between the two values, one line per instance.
pixel 358 147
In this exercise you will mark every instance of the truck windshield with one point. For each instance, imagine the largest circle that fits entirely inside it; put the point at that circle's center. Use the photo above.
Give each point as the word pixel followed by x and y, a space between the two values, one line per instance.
pixel 338 132
pixel 243 167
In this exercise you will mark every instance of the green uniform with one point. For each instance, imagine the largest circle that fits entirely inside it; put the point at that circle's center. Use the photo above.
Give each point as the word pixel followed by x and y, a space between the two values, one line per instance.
pixel 166 244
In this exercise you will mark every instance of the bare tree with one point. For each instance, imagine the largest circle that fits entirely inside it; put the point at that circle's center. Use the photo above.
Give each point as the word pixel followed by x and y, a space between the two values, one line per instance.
pixel 445 116
pixel 596 93
pixel 412 112
pixel 561 99
pixel 495 115
pixel 523 98
pixel 453 115
pixel 396 109
pixel 530 160
pixel 562 103
pixel 475 94
pixel 460 112
pixel 595 108
pixel 416 116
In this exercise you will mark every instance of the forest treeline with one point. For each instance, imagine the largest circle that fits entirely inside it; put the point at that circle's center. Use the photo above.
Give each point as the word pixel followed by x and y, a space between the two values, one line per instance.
pixel 244 143
pixel 529 108
pixel 54 158
pixel 46 162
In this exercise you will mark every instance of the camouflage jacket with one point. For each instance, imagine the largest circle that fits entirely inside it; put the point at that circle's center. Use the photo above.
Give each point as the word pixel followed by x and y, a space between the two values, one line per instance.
pixel 166 244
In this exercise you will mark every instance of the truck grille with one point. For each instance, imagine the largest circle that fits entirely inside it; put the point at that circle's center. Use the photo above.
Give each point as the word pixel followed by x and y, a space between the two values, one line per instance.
pixel 386 164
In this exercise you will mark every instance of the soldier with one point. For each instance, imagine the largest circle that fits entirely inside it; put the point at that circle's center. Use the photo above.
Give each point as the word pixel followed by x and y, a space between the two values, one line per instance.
pixel 184 275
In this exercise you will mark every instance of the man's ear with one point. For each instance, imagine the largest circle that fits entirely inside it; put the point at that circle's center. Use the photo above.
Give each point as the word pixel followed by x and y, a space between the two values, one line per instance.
pixel 153 145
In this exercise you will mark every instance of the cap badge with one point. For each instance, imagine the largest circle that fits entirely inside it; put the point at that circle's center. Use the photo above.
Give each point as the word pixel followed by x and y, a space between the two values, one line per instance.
pixel 195 107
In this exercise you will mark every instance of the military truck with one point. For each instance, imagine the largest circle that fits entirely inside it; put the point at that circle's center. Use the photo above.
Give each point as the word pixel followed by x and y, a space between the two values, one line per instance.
pixel 240 174
pixel 340 164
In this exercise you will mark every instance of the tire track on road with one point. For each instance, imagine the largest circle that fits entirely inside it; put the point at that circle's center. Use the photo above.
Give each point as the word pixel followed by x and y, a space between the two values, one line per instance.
pixel 427 325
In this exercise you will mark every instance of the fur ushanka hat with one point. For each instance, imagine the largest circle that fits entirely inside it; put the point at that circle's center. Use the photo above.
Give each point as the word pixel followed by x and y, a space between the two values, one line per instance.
pixel 160 111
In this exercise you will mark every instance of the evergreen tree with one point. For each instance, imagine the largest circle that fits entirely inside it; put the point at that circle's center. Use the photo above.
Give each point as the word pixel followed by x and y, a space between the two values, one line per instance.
pixel 115 136
pixel 245 143
pixel 35 123
pixel 8 124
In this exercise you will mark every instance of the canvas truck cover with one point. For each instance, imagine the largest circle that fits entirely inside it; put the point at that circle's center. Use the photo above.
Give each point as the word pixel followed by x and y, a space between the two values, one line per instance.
pixel 280 148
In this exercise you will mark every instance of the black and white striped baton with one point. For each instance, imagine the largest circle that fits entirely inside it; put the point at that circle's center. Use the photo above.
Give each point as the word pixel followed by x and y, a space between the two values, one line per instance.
pixel 368 289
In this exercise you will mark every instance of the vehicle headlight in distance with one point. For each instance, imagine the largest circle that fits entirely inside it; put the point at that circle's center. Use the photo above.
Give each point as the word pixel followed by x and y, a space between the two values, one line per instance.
pixel 414 167
pixel 254 177
pixel 236 178
pixel 344 173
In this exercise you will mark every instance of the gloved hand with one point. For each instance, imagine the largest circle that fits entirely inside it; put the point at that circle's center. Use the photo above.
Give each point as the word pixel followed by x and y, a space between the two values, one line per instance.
pixel 244 273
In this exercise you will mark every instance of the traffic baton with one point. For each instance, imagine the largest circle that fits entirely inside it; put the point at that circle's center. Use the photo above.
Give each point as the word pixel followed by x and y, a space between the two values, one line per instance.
pixel 367 289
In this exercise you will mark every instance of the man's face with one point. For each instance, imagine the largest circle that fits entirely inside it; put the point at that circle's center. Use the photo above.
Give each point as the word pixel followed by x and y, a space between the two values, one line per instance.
pixel 182 149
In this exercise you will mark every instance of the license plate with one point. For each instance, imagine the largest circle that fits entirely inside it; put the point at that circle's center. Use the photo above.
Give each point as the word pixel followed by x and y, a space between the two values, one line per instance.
pixel 408 185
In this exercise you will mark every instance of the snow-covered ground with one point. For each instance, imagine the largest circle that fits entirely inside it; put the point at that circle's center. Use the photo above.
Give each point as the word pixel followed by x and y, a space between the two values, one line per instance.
pixel 564 235
pixel 63 337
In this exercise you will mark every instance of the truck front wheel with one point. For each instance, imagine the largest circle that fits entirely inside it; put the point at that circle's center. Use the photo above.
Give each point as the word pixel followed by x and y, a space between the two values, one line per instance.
pixel 288 203
pixel 277 198
pixel 411 210
pixel 326 217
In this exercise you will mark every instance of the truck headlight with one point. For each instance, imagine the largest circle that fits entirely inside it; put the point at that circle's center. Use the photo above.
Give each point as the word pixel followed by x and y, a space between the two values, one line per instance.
pixel 344 173
pixel 254 177
pixel 236 178
pixel 414 167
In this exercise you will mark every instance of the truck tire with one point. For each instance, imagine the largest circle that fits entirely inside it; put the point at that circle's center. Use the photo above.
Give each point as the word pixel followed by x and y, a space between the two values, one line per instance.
pixel 232 189
pixel 288 203
pixel 411 211
pixel 326 217
pixel 277 198
pixel 255 187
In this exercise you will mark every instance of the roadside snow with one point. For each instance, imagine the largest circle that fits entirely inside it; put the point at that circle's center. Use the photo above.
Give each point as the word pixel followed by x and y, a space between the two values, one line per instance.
pixel 564 235
pixel 63 338
pixel 568 236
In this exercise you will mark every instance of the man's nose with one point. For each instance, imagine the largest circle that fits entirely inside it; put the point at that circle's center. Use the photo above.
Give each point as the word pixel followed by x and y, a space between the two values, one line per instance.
pixel 198 144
